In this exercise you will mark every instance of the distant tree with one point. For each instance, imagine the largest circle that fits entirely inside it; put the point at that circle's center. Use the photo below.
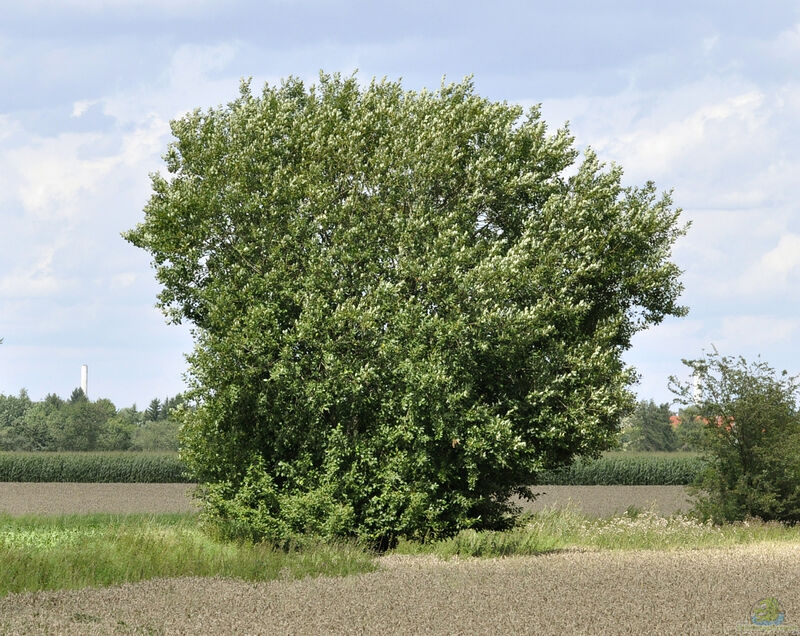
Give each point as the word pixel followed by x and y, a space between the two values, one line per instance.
pixel 170 404
pixel 161 435
pixel 53 400
pixel 117 434
pixel 132 416
pixel 649 428
pixel 12 412
pixel 33 431
pixel 690 429
pixel 153 412
pixel 159 429
pixel 13 407
pixel 81 424
pixel 78 396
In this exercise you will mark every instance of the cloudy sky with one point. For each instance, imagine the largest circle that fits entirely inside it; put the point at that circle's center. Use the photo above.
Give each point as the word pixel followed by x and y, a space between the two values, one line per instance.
pixel 696 96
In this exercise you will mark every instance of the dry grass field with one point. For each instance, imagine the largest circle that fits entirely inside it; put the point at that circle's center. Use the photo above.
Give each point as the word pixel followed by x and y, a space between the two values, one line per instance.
pixel 18 498
pixel 571 592
pixel 606 501
pixel 567 591
pixel 21 498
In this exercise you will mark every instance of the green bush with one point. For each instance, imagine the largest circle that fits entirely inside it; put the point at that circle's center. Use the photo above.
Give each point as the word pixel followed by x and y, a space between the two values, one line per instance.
pixel 751 442
pixel 122 467
pixel 404 303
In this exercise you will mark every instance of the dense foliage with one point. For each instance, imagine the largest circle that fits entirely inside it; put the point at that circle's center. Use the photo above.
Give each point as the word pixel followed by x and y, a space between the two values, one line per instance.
pixel 105 467
pixel 79 424
pixel 690 429
pixel 751 439
pixel 649 428
pixel 404 304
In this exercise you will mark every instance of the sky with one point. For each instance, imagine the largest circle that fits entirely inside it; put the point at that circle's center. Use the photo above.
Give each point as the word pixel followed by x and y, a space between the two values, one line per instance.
pixel 703 98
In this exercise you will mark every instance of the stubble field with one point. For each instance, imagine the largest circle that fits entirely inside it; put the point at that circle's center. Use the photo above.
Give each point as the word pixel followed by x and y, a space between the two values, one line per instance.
pixel 572 592
pixel 567 591
pixel 18 498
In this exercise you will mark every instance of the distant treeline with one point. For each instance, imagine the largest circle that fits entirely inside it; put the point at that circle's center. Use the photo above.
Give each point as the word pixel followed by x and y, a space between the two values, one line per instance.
pixel 653 427
pixel 79 424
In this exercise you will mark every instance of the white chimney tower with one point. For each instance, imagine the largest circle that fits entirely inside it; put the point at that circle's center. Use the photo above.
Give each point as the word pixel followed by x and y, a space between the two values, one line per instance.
pixel 85 379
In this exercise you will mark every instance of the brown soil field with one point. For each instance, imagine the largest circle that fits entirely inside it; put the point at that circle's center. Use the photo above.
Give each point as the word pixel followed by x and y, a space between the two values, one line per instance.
pixel 570 592
pixel 18 498
pixel 69 498
pixel 606 501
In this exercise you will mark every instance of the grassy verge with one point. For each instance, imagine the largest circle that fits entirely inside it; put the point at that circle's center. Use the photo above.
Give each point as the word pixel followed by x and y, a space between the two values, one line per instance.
pixel 78 551
pixel 551 530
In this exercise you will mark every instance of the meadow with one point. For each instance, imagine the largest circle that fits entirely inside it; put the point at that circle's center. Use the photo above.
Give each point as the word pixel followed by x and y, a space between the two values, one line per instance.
pixel 649 569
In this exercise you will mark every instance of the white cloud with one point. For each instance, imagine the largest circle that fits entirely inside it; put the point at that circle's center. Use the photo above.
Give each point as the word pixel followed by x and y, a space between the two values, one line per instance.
pixel 7 127
pixel 776 271
pixel 787 44
pixel 80 107
pixel 740 332
pixel 710 43
pixel 184 85
pixel 34 278
pixel 720 142
pixel 669 332
pixel 125 279
pixel 656 146
pixel 50 177
pixel 54 177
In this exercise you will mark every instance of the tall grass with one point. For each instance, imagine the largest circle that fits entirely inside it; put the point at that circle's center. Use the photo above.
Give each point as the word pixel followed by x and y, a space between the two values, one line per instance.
pixel 559 529
pixel 77 551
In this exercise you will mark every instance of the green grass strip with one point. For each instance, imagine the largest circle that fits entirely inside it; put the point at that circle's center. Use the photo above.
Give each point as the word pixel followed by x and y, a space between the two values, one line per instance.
pixel 567 528
pixel 78 551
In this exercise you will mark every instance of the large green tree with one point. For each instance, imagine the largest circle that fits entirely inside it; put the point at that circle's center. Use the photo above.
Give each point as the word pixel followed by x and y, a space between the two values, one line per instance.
pixel 404 304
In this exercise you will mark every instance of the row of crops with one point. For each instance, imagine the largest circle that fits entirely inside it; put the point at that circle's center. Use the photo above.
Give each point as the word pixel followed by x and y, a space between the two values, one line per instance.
pixel 639 469
pixel 628 469
pixel 92 467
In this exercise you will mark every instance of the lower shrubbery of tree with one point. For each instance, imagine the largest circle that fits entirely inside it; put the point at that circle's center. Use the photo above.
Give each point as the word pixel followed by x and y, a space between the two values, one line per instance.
pixel 79 424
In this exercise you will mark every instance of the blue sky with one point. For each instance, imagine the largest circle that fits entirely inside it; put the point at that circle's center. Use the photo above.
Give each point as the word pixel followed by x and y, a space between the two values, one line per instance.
pixel 701 97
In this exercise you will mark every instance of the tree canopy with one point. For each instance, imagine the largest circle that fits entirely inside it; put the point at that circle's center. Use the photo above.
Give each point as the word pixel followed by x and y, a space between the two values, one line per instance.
pixel 404 304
